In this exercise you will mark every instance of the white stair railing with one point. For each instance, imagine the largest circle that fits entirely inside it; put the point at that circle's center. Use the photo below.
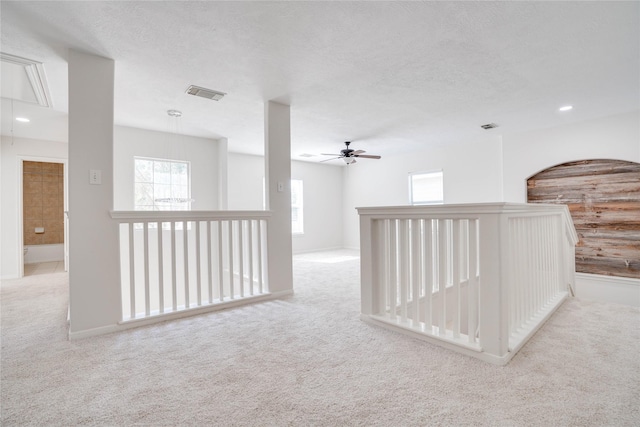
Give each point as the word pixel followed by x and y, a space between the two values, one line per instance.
pixel 479 279
pixel 184 260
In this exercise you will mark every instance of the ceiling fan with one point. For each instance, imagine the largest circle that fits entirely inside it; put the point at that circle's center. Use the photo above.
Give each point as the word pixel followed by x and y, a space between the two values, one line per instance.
pixel 349 155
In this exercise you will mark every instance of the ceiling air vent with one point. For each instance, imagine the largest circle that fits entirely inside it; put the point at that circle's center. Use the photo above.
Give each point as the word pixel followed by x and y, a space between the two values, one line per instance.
pixel 489 126
pixel 205 93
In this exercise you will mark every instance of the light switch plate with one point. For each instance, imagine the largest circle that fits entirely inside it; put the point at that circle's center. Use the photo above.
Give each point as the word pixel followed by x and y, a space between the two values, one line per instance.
pixel 95 177
pixel 280 186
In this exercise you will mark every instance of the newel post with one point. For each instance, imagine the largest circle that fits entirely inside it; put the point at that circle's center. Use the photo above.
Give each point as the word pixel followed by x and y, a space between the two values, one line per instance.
pixel 494 337
pixel 366 265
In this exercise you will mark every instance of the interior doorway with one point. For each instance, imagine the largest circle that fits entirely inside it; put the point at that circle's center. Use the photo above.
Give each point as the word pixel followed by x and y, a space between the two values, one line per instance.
pixel 43 220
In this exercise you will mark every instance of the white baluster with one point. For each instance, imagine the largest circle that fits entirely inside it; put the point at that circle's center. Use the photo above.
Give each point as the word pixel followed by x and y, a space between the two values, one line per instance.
pixel 260 256
pixel 393 269
pixel 209 262
pixel 442 275
pixel 381 256
pixel 241 256
pixel 160 270
pixel 404 267
pixel 198 273
pixel 132 271
pixel 250 245
pixel 145 242
pixel 185 252
pixel 220 263
pixel 456 277
pixel 231 236
pixel 174 276
pixel 427 275
pixel 472 293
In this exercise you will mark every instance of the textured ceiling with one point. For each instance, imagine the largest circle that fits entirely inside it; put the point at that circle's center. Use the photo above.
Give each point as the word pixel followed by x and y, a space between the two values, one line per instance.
pixel 389 75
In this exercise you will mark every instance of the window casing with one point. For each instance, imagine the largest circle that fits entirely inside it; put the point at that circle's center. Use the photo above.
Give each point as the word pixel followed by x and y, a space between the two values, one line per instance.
pixel 426 188
pixel 297 207
pixel 162 185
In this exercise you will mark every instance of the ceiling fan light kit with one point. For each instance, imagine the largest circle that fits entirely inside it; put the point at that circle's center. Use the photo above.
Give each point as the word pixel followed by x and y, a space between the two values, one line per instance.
pixel 348 155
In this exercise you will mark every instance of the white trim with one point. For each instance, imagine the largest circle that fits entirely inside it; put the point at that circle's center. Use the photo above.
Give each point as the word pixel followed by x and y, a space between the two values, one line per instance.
pixel 309 251
pixel 476 353
pixel 36 76
pixel 618 290
pixel 130 324
pixel 20 220
pixel 125 216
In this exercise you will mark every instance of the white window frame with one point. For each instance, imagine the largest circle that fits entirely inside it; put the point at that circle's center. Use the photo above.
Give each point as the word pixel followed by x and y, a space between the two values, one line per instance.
pixel 433 174
pixel 297 227
pixel 300 223
pixel 159 206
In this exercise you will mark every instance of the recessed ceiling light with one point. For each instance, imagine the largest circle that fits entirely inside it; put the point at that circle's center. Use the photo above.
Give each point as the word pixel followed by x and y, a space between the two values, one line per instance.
pixel 23 119
pixel 566 108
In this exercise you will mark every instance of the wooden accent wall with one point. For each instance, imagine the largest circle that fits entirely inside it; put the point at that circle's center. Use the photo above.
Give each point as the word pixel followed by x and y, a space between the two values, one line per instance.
pixel 604 199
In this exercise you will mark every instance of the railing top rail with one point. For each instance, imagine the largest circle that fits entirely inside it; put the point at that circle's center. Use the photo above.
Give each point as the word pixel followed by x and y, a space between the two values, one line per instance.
pixel 140 216
pixel 471 210
pixel 463 208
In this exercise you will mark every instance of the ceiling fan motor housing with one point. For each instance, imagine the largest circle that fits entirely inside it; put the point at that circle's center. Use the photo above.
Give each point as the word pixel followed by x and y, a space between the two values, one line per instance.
pixel 347 151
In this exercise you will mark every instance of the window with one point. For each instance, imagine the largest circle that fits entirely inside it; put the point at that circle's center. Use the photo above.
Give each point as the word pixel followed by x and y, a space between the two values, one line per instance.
pixel 426 188
pixel 297 222
pixel 161 185
pixel 297 215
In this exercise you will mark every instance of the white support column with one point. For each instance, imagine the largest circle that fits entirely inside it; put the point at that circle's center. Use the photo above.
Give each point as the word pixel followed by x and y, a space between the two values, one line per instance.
pixel 278 187
pixel 94 279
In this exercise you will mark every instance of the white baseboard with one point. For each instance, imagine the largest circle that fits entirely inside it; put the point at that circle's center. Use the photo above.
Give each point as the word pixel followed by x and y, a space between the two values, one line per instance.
pixel 86 333
pixel 122 326
pixel 309 251
pixel 44 253
pixel 619 290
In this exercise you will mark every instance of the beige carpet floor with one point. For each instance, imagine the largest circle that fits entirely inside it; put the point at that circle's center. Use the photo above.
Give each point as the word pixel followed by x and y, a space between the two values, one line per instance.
pixel 307 361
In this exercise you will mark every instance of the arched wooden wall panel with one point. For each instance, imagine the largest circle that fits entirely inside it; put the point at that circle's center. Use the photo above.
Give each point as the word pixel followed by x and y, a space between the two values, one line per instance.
pixel 604 199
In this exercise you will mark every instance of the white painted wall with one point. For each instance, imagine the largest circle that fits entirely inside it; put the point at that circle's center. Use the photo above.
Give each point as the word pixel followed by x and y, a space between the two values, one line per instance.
pixel 11 153
pixel 471 174
pixel 201 152
pixel 615 137
pixel 245 176
pixel 322 198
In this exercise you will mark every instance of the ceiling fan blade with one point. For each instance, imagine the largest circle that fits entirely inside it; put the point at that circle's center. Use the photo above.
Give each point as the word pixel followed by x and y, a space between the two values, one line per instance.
pixel 358 152
pixel 325 154
pixel 367 156
pixel 334 158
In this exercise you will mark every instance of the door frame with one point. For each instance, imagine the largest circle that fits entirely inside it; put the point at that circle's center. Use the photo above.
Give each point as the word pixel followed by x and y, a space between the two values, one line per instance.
pixel 20 222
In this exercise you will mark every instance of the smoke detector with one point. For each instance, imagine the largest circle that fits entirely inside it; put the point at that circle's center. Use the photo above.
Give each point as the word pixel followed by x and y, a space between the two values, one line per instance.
pixel 489 126
pixel 202 92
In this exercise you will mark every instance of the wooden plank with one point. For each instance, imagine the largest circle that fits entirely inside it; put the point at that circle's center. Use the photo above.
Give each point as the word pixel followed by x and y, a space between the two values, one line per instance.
pixel 603 197
pixel 589 167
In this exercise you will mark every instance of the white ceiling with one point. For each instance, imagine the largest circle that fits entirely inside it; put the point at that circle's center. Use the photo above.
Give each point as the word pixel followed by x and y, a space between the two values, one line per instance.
pixel 388 75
